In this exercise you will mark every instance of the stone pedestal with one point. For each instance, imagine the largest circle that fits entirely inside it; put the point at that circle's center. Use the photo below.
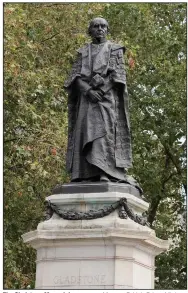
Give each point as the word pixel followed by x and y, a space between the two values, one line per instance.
pixel 103 253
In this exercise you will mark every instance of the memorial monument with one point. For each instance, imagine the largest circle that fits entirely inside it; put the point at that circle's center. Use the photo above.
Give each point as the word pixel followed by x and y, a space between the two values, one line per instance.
pixel 95 236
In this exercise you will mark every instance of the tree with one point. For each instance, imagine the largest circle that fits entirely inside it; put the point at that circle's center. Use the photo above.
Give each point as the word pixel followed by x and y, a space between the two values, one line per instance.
pixel 40 43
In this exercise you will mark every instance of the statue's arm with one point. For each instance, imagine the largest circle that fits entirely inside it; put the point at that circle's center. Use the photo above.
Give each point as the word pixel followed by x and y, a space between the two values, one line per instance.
pixel 108 85
pixel 117 74
pixel 82 85
pixel 75 72
pixel 93 95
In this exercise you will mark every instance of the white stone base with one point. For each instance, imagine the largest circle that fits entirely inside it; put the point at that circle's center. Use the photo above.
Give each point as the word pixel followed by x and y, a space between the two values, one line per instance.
pixel 105 253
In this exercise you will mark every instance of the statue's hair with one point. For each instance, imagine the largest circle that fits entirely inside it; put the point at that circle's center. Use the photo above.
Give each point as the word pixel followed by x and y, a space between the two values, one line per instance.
pixel 92 22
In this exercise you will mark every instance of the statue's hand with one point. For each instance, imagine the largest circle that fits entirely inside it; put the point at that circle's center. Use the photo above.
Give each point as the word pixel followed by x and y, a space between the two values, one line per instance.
pixel 95 95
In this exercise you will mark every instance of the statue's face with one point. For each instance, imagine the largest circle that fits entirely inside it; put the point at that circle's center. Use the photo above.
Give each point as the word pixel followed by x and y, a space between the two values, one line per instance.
pixel 99 28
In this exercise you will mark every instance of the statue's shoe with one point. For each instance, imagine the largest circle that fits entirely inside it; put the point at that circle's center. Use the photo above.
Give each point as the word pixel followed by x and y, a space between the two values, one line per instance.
pixel 104 178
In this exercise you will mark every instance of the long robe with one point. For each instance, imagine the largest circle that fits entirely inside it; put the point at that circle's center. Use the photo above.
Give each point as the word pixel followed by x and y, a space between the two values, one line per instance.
pixel 99 133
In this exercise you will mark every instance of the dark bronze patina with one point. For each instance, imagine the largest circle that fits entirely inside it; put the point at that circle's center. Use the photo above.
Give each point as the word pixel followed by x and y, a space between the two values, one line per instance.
pixel 99 144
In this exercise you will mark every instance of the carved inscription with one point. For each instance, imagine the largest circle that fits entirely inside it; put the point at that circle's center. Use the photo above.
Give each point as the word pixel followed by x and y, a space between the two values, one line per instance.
pixel 80 280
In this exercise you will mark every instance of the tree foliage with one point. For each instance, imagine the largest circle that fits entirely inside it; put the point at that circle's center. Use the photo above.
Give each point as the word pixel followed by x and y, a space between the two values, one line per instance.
pixel 40 42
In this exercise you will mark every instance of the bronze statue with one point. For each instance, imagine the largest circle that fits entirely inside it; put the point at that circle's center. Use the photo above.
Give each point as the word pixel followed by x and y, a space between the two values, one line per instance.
pixel 99 144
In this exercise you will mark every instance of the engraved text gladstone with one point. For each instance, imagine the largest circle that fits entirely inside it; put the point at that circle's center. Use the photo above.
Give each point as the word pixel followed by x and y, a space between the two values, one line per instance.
pixel 80 280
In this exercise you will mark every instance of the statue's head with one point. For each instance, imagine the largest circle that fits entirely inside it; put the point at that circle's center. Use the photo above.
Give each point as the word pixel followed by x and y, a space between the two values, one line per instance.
pixel 98 28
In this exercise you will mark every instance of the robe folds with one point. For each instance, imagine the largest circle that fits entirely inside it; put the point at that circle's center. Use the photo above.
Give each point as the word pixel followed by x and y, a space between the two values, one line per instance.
pixel 98 133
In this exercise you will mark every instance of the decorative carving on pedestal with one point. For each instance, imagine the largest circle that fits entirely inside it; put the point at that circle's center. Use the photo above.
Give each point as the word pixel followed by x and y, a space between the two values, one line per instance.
pixel 123 211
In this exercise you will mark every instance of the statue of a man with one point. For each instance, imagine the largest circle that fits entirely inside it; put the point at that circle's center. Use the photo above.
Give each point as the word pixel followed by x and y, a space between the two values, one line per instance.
pixel 99 146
